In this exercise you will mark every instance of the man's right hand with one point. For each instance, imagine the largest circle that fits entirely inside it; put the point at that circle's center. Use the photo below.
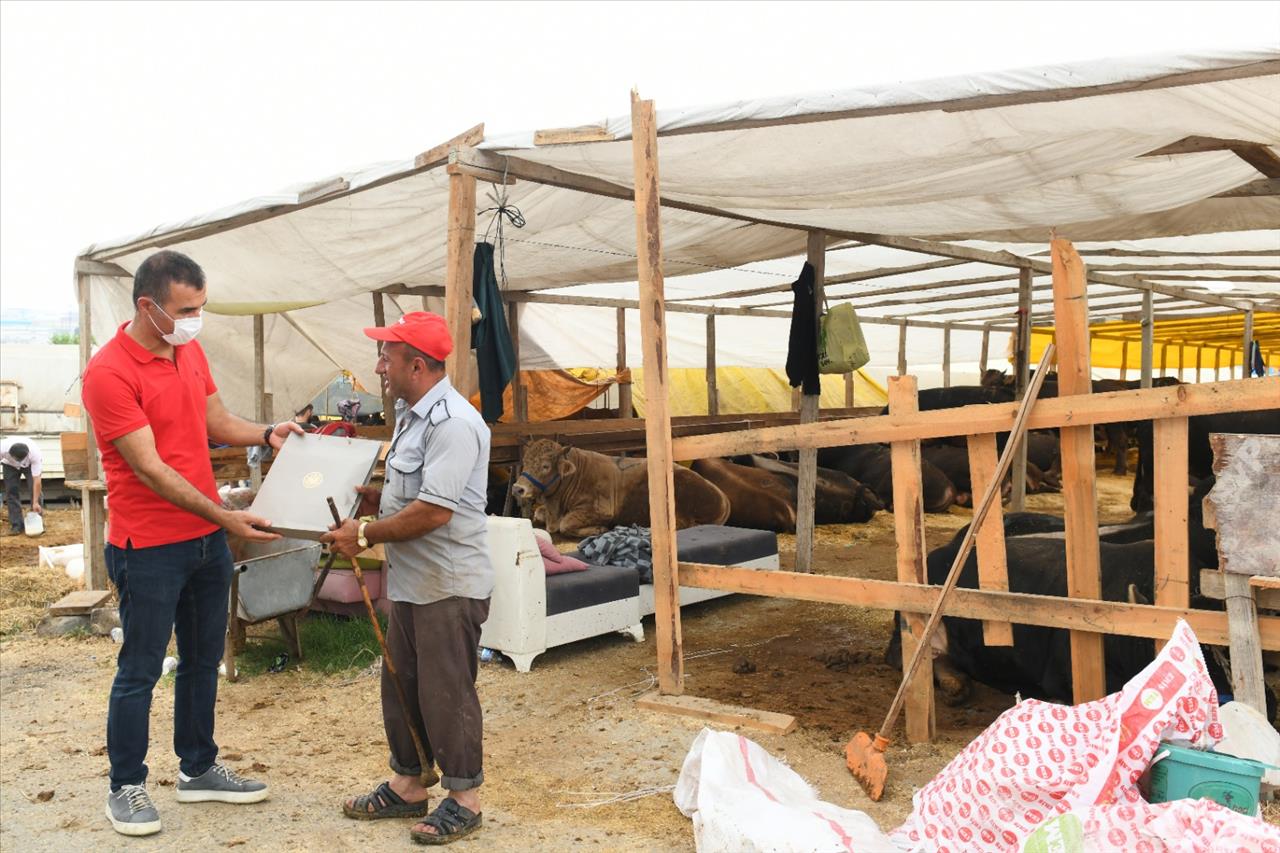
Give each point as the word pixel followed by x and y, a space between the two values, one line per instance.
pixel 370 500
pixel 247 526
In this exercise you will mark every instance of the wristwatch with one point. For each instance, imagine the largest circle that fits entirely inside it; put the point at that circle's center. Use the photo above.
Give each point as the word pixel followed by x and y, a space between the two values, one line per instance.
pixel 360 540
pixel 266 435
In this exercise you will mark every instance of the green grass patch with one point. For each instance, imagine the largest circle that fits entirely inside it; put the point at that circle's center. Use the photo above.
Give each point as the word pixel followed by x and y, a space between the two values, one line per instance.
pixel 330 644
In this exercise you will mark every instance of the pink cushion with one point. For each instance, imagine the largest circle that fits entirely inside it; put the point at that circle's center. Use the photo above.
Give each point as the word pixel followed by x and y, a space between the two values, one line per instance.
pixel 341 586
pixel 556 563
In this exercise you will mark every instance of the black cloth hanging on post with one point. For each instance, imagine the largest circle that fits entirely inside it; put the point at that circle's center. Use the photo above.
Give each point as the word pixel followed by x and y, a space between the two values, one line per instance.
pixel 802 347
pixel 490 337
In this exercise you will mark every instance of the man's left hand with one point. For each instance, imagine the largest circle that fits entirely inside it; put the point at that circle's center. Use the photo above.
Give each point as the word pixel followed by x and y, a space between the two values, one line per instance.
pixel 37 509
pixel 283 430
pixel 342 538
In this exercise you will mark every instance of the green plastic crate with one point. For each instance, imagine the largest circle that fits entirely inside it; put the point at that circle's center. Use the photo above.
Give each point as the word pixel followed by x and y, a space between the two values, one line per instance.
pixel 1195 774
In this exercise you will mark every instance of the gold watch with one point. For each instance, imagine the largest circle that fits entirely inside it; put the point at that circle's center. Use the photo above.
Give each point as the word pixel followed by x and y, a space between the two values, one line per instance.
pixel 360 540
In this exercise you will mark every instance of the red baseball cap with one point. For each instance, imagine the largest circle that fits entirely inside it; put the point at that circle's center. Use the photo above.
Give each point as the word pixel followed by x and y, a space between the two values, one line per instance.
pixel 419 329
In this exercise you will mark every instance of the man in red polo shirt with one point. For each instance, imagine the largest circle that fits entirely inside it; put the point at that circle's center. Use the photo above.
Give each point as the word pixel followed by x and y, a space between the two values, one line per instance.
pixel 154 407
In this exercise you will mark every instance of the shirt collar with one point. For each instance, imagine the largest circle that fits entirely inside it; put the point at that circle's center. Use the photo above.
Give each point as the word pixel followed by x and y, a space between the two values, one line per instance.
pixel 135 349
pixel 429 399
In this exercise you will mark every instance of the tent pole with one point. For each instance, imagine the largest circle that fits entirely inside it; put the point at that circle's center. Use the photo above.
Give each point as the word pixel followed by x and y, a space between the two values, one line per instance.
pixel 1199 355
pixel 713 392
pixel 259 391
pixel 946 355
pixel 806 488
pixel 653 338
pixel 1124 359
pixel 458 276
pixel 1021 377
pixel 624 388
pixel 1248 342
pixel 848 390
pixel 1164 359
pixel 1148 337
pixel 93 509
pixel 902 347
pixel 1079 489
pixel 380 319
pixel 985 351
pixel 519 395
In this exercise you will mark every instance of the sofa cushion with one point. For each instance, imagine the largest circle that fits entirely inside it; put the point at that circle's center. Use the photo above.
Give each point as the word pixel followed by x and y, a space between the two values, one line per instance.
pixel 597 585
pixel 718 545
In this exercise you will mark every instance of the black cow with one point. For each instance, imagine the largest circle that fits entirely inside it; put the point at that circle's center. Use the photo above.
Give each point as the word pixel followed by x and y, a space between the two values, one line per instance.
pixel 838 497
pixel 1199 453
pixel 932 399
pixel 871 465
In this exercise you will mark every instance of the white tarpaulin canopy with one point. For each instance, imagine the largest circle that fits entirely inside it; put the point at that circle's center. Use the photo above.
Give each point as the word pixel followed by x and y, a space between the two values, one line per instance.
pixel 1121 156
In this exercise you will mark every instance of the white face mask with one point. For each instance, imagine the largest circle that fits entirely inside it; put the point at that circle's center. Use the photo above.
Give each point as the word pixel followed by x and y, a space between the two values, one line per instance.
pixel 184 330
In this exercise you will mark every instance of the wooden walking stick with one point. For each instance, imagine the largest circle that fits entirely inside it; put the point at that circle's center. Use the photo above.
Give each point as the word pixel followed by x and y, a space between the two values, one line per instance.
pixel 425 769
pixel 865 756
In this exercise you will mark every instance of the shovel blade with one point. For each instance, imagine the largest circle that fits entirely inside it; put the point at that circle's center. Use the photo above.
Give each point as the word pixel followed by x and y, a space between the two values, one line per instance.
pixel 865 759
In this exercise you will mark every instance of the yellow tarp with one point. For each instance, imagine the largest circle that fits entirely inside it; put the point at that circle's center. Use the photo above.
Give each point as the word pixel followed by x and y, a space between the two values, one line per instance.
pixel 1204 341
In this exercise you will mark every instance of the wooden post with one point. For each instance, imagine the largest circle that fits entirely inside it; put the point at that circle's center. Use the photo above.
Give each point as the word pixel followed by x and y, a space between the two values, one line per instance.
pixel 1173 568
pixel 713 393
pixel 1079 489
pixel 984 352
pixel 1247 681
pixel 908 525
pixel 458 274
pixel 946 355
pixel 657 421
pixel 1124 359
pixel 806 487
pixel 1248 344
pixel 1148 337
pixel 993 569
pixel 902 347
pixel 1022 376
pixel 93 510
pixel 848 390
pixel 259 369
pixel 1164 359
pixel 625 406
pixel 1217 363
pixel 380 319
pixel 519 401
pixel 1199 355
pixel 1181 359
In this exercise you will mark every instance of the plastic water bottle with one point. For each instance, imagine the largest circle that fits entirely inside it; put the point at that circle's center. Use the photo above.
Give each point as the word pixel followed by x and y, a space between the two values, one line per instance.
pixel 117 634
pixel 487 655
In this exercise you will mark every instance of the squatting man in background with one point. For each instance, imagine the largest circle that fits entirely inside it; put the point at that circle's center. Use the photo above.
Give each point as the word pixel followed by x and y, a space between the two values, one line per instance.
pixel 154 407
pixel 431 518
pixel 20 457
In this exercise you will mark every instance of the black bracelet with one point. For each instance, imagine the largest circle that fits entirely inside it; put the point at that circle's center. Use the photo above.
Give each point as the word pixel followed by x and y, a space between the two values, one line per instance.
pixel 266 436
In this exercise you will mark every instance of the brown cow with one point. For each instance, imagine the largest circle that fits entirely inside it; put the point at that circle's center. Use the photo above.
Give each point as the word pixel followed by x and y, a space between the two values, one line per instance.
pixel 838 498
pixel 585 493
pixel 757 499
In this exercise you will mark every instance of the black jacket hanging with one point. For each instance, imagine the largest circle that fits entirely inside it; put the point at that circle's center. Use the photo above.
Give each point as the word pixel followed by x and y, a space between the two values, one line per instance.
pixel 802 347
pixel 490 337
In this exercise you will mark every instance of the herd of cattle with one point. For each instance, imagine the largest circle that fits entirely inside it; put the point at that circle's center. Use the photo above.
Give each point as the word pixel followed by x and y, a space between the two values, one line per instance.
pixel 579 493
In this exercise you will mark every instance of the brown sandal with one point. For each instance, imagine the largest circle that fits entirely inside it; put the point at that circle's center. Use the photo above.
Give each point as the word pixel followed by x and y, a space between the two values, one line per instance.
pixel 450 820
pixel 386 804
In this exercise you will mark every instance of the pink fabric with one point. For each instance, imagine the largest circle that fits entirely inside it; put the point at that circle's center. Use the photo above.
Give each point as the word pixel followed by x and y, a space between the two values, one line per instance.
pixel 340 586
pixel 556 563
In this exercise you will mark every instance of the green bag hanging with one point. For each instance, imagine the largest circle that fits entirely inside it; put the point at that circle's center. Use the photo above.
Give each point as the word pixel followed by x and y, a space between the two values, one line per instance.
pixel 841 346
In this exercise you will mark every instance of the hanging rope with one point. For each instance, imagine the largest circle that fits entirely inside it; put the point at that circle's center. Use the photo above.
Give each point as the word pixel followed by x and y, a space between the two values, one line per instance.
pixel 502 211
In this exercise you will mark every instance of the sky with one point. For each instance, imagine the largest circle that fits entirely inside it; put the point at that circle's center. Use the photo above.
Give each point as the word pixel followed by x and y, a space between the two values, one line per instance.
pixel 117 117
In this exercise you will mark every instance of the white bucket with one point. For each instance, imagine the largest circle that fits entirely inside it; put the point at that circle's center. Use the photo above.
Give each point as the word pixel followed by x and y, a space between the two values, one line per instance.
pixel 33 524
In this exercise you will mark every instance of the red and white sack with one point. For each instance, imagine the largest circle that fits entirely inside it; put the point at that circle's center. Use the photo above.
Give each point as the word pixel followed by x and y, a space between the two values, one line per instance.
pixel 1040 760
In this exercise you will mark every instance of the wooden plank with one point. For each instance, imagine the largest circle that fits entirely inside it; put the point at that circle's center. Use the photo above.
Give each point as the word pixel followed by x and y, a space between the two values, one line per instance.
pixel 653 338
pixel 93 511
pixel 908 527
pixel 848 390
pixel 1247 468
pixel 718 712
pixel 902 347
pixel 1173 556
pixel 983 353
pixel 325 188
pixel 572 135
pixel 807 482
pixel 1247 346
pixel 86 485
pixel 1021 378
pixel 260 368
pixel 1110 407
pixel 480 174
pixel 79 603
pixel 1108 617
pixel 713 393
pixel 1079 489
pixel 469 138
pixel 519 401
pixel 1246 646
pixel 1213 585
pixel 458 273
pixel 624 386
pixel 847 278
pixel 993 568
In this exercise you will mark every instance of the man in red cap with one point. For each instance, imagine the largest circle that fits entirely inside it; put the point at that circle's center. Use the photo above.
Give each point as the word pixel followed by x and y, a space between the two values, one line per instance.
pixel 431 520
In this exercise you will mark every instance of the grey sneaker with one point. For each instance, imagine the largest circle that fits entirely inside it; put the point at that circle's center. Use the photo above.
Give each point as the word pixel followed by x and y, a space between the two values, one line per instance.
pixel 220 784
pixel 131 811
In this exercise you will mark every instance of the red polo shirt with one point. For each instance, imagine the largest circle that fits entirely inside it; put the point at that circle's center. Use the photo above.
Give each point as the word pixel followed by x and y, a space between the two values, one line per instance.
pixel 125 388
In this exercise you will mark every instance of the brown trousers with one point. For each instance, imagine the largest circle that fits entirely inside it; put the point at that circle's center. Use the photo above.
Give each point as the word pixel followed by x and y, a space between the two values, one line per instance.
pixel 435 648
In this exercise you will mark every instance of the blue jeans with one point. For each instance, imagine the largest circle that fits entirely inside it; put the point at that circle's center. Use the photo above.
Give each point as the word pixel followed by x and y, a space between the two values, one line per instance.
pixel 181 588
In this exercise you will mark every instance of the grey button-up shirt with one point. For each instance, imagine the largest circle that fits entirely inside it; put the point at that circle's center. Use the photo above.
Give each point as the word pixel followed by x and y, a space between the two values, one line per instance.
pixel 439 454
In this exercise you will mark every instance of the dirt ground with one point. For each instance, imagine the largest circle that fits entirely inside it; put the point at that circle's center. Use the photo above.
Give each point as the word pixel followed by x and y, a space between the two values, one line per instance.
pixel 560 742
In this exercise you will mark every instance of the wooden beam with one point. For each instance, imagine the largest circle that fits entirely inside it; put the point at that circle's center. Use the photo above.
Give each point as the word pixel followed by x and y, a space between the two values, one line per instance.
pixel 519 400
pixel 908 528
pixel 1110 407
pixel 1256 154
pixel 1212 585
pixel 1248 342
pixel 653 337
pixel 713 394
pixel 260 369
pixel 469 138
pixel 847 278
pixel 458 275
pixel 902 347
pixel 333 186
pixel 624 388
pixel 1079 491
pixel 807 482
pixel 572 135
pixel 848 390
pixel 1247 681
pixel 1173 561
pixel 993 569
pixel 985 351
pixel 1148 338
pixel 1106 617
pixel 1254 189
pixel 1021 378
pixel 946 356
pixel 480 174
pixel 718 713
pixel 93 512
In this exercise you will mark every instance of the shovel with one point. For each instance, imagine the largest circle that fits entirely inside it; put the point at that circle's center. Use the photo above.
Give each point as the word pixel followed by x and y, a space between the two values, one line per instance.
pixel 865 756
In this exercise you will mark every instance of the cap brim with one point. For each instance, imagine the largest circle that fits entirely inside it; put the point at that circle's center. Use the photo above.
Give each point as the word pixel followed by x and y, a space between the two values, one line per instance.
pixel 382 333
